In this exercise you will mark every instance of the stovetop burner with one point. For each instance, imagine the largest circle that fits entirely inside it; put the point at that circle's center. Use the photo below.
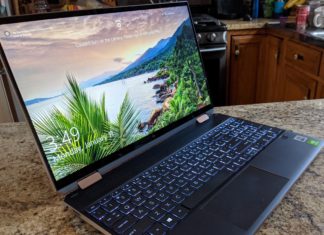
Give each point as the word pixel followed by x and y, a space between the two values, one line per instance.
pixel 207 23
pixel 210 31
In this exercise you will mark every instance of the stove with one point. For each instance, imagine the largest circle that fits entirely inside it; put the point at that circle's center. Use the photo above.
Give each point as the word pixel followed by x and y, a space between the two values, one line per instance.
pixel 210 31
pixel 211 36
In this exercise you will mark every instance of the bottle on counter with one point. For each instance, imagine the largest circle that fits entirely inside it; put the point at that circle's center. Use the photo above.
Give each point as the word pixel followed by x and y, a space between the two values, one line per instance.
pixel 268 8
pixel 255 9
pixel 278 8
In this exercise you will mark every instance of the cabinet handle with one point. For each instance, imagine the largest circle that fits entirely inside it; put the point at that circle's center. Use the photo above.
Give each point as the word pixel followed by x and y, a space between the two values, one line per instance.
pixel 237 50
pixel 277 55
pixel 298 57
pixel 305 97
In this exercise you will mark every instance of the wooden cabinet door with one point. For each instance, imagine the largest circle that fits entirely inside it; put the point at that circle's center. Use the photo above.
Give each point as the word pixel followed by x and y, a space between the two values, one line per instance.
pixel 320 90
pixel 246 66
pixel 298 86
pixel 266 91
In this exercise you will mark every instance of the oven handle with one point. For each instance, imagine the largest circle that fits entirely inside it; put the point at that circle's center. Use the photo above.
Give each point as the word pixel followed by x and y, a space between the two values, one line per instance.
pixel 213 49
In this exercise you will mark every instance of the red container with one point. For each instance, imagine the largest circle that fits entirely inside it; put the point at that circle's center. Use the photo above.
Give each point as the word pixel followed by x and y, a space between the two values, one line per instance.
pixel 301 21
pixel 302 9
pixel 302 13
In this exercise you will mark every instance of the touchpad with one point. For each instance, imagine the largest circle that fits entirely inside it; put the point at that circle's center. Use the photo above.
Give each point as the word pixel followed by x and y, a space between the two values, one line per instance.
pixel 246 197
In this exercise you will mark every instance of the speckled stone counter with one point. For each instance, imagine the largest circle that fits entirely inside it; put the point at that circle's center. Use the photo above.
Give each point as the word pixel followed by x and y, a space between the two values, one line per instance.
pixel 253 24
pixel 28 204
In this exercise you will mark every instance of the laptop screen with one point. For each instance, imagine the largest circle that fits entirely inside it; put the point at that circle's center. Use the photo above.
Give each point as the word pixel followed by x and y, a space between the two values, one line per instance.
pixel 94 84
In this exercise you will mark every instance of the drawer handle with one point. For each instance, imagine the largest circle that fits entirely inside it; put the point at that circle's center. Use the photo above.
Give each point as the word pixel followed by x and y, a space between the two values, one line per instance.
pixel 298 57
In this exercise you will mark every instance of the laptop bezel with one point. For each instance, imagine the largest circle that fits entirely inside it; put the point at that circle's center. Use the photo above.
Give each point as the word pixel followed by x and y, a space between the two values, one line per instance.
pixel 70 180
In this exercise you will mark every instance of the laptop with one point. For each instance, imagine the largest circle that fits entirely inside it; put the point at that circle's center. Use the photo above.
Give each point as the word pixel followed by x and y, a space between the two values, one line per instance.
pixel 119 107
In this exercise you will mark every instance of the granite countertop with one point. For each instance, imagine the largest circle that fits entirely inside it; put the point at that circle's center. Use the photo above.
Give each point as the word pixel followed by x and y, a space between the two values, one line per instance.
pixel 29 205
pixel 253 24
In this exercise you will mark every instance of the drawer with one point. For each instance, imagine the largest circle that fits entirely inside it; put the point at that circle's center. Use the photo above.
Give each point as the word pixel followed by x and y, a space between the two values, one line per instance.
pixel 303 57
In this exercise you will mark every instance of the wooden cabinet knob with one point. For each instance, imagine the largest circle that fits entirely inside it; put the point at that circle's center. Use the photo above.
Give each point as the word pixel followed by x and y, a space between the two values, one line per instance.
pixel 296 57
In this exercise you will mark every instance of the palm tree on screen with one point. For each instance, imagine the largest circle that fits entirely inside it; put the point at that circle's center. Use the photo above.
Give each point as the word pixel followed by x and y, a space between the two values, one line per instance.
pixel 83 134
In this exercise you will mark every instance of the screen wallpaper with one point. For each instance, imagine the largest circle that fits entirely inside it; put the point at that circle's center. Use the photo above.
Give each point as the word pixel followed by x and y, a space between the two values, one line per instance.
pixel 95 84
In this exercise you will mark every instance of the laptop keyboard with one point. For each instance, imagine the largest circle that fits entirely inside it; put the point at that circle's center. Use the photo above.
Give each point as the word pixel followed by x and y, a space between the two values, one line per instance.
pixel 159 198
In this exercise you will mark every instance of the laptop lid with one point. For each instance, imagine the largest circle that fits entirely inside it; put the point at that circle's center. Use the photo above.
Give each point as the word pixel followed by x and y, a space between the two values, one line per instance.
pixel 98 84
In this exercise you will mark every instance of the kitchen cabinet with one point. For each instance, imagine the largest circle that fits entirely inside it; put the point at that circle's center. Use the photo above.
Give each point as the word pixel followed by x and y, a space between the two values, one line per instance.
pixel 267 90
pixel 320 90
pixel 297 85
pixel 273 66
pixel 246 60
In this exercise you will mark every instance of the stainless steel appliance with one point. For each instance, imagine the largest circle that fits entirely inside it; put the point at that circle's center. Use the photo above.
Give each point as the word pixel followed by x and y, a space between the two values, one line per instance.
pixel 211 37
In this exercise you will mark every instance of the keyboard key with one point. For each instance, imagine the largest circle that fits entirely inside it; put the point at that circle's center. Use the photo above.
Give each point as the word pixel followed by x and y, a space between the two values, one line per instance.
pixel 180 161
pixel 143 184
pixel 159 185
pixel 180 182
pixel 177 198
pixel 98 213
pixel 153 177
pixel 92 207
pixel 187 190
pixel 149 192
pixel 116 193
pixel 185 167
pixel 111 218
pixel 105 199
pixel 196 184
pixel 138 200
pixel 133 190
pixel 168 205
pixel 189 176
pixel 204 164
pixel 163 172
pixel 193 162
pixel 171 189
pixel 197 170
pixel 204 177
pixel 180 212
pixel 225 160
pixel 156 214
pixel 140 212
pixel 211 171
pixel 110 206
pixel 233 167
pixel 161 196
pixel 157 229
pixel 122 198
pixel 171 166
pixel 168 179
pixel 177 173
pixel 169 221
pixel 218 165
pixel 141 227
pixel 151 204
pixel 126 208
pixel 123 224
pixel 239 162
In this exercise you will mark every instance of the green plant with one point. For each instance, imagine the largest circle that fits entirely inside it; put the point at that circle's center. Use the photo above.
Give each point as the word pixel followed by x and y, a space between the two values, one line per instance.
pixel 91 121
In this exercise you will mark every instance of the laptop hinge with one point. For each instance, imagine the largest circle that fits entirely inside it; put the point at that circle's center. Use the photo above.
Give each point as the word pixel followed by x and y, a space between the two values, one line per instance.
pixel 202 118
pixel 90 180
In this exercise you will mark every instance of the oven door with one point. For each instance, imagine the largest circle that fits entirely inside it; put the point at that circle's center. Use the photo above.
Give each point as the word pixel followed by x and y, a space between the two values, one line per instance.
pixel 214 59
